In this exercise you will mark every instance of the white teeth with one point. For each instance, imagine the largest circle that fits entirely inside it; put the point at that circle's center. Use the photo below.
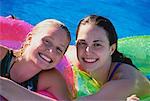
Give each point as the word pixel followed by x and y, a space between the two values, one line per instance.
pixel 45 57
pixel 90 60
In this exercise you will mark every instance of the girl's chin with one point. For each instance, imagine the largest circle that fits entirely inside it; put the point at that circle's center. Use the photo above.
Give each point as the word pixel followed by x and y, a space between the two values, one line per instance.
pixel 45 67
pixel 89 68
pixel 42 63
pixel 41 66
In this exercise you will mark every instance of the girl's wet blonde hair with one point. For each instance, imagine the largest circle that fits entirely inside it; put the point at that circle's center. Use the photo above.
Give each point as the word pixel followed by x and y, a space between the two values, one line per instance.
pixel 45 24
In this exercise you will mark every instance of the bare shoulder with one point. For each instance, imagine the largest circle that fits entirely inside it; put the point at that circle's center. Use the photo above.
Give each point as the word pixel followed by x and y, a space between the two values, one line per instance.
pixel 53 82
pixel 128 71
pixel 124 71
pixel 49 78
pixel 71 54
pixel 128 80
pixel 135 77
pixel 52 74
pixel 3 52
pixel 71 51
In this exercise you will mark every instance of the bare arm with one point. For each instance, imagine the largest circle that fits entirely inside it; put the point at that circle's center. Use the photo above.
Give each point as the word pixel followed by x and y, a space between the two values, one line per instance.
pixel 133 98
pixel 112 91
pixel 126 82
pixel 54 83
pixel 15 92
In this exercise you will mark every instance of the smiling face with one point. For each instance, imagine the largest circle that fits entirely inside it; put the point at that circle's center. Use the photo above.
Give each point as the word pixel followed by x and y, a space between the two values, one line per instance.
pixel 93 49
pixel 47 46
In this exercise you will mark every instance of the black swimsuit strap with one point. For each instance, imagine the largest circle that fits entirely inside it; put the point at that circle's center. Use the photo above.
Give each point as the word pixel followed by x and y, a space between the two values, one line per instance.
pixel 5 65
pixel 114 70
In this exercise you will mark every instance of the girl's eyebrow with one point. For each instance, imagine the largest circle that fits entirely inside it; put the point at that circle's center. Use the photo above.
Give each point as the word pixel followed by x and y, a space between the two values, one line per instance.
pixel 62 45
pixel 98 41
pixel 81 40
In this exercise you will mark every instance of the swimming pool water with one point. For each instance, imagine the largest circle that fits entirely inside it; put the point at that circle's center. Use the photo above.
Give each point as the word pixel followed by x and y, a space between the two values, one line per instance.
pixel 130 17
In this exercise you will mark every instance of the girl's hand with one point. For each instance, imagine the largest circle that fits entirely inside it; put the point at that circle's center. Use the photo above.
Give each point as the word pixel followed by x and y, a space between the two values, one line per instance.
pixel 133 98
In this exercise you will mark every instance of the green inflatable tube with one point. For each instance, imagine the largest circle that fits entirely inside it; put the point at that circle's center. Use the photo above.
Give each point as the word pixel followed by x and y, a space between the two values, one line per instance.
pixel 138 49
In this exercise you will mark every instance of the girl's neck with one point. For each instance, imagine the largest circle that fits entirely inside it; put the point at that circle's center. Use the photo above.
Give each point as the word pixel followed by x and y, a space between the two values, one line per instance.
pixel 23 70
pixel 101 74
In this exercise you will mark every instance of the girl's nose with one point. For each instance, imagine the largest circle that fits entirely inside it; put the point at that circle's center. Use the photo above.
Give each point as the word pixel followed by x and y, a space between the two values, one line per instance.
pixel 50 50
pixel 87 49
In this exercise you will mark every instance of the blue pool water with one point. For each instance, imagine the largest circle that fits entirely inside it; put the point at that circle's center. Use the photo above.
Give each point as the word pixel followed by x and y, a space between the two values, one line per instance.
pixel 130 17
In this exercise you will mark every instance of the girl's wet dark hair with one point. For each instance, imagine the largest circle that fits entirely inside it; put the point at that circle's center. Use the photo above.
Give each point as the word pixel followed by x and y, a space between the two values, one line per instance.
pixel 12 16
pixel 111 35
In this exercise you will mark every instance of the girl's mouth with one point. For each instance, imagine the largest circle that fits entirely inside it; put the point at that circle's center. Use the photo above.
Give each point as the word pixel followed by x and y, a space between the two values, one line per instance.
pixel 89 60
pixel 45 58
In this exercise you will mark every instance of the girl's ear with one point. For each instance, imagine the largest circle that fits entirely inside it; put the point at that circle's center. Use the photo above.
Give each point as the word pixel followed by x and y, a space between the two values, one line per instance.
pixel 26 43
pixel 28 38
pixel 112 48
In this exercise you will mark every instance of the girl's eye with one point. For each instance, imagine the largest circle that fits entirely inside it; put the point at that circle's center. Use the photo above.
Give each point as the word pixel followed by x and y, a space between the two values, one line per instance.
pixel 82 44
pixel 45 41
pixel 59 50
pixel 97 45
